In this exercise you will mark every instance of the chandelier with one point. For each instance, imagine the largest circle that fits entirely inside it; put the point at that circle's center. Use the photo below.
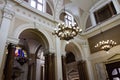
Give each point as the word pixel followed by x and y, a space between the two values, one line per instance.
pixel 105 45
pixel 65 32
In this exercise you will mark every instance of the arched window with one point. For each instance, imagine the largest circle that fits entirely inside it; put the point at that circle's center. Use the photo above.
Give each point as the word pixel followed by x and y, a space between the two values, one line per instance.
pixel 67 18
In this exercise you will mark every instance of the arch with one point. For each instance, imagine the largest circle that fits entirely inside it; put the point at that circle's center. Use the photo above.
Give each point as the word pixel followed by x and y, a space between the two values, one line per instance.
pixel 72 47
pixel 23 27
pixel 62 14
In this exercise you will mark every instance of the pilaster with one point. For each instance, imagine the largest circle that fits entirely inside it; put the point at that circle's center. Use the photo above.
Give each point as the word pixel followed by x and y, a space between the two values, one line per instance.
pixel 88 62
pixel 58 59
pixel 4 28
pixel 49 66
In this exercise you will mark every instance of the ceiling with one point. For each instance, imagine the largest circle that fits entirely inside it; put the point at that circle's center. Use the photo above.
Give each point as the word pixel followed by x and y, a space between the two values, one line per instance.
pixel 33 39
pixel 78 8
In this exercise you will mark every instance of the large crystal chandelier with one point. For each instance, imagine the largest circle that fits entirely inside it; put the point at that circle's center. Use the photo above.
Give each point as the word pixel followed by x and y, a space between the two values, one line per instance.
pixel 105 45
pixel 65 32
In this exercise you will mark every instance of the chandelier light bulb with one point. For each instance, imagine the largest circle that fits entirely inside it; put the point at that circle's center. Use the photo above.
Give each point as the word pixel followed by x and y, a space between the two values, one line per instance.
pixel 66 32
pixel 105 45
pixel 67 42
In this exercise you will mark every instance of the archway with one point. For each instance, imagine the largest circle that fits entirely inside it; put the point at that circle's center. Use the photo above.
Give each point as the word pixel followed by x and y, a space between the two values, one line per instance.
pixel 73 55
pixel 36 46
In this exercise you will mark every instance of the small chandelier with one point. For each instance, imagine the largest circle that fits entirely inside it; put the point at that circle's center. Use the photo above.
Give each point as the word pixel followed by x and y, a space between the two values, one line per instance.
pixel 105 45
pixel 65 32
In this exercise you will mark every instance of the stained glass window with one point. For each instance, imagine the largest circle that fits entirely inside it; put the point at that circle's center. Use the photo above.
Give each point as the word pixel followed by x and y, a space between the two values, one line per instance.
pixel 20 53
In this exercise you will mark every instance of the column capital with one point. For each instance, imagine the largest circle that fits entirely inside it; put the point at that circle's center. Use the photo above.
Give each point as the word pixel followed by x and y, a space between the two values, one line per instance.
pixel 52 50
pixel 12 40
pixel 80 61
pixel 8 11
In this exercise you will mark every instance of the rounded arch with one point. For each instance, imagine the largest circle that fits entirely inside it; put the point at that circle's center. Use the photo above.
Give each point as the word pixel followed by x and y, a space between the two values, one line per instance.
pixel 34 39
pixel 72 47
pixel 23 27
pixel 62 14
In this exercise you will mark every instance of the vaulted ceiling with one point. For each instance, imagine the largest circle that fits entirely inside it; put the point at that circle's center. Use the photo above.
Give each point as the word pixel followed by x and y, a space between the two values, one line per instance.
pixel 78 8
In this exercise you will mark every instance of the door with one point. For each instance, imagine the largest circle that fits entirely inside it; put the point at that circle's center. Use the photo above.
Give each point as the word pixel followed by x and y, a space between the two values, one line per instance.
pixel 113 70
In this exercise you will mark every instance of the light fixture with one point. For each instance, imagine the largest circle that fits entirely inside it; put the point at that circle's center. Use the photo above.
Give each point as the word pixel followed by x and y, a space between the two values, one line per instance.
pixel 105 44
pixel 66 31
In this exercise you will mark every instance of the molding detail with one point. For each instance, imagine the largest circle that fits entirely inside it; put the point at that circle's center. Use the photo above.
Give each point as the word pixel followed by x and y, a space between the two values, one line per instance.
pixel 19 1
pixel 12 40
pixel 8 11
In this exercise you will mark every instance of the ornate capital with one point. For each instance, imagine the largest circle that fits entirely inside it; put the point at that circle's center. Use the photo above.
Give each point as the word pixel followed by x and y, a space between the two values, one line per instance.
pixel 8 11
pixel 12 40
pixel 52 50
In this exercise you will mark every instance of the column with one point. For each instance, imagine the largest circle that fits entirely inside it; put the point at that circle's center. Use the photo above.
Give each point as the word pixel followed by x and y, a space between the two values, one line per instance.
pixel 82 70
pixel 64 67
pixel 9 63
pixel 88 62
pixel 49 66
pixel 58 60
pixel 4 28
pixel 116 5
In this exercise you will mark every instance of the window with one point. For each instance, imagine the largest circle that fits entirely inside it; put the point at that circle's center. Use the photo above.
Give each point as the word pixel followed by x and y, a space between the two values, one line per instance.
pixel 19 52
pixel 116 73
pixel 69 20
pixel 38 4
pixel 105 12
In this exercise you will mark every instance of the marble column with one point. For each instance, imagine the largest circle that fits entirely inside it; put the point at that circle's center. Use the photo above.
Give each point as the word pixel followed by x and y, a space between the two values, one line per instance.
pixel 58 60
pixel 88 62
pixel 4 29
